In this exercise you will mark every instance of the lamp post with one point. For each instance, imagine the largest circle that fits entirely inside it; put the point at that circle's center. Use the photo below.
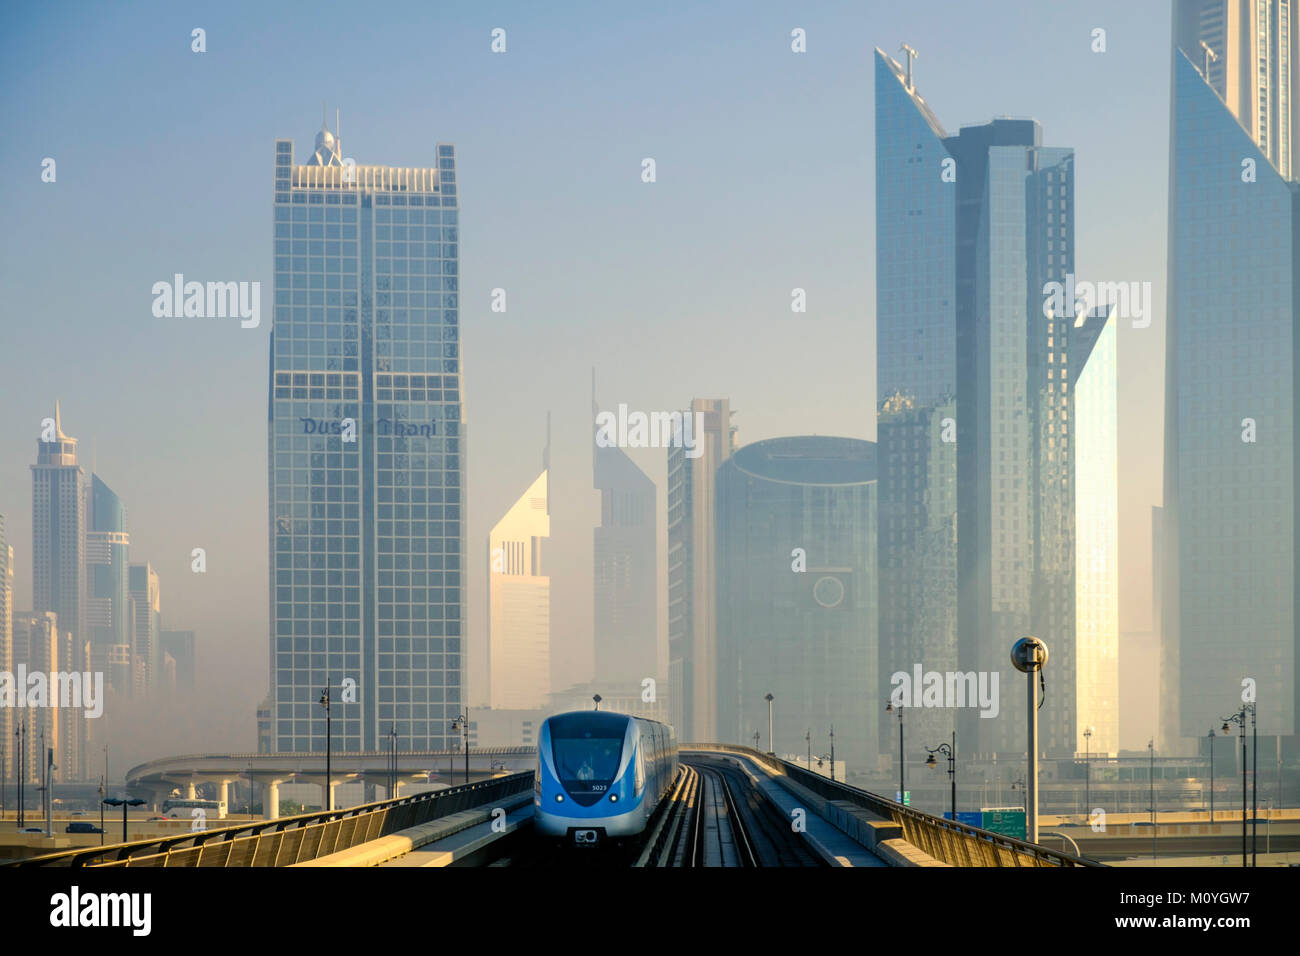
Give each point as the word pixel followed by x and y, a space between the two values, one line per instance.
pixel 1151 775
pixel 1254 782
pixel 832 753
pixel 902 777
pixel 951 753
pixel 115 802
pixel 808 740
pixel 101 811
pixel 1087 773
pixel 1210 735
pixel 462 723
pixel 21 733
pixel 392 761
pixel 1029 656
pixel 769 698
pixel 1239 719
pixel 328 802
pixel 756 740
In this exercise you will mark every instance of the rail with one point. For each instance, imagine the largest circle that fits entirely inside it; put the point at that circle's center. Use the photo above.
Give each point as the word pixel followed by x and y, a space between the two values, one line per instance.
pixel 289 840
pixel 957 844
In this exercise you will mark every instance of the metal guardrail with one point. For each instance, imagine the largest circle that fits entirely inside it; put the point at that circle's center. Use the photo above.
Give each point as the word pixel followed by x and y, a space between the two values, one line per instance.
pixel 290 840
pixel 957 844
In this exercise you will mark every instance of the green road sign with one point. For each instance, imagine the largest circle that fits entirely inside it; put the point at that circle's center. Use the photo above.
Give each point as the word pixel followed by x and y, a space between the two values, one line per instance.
pixel 1007 822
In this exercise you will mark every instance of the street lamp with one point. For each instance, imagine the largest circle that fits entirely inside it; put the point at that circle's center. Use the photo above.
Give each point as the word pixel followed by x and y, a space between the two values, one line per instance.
pixel 951 753
pixel 597 698
pixel 1029 656
pixel 1239 719
pixel 462 723
pixel 1211 737
pixel 902 790
pixel 1151 774
pixel 808 740
pixel 392 761
pixel 832 753
pixel 756 740
pixel 769 698
pixel 115 802
pixel 101 811
pixel 329 790
pixel 1087 773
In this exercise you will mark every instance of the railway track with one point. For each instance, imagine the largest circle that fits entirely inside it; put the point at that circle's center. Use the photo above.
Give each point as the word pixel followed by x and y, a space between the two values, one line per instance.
pixel 713 816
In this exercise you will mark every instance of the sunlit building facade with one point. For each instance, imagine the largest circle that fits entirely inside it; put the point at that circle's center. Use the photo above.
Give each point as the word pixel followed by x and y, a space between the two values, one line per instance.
pixel 366 451
pixel 977 414
pixel 692 558
pixel 519 603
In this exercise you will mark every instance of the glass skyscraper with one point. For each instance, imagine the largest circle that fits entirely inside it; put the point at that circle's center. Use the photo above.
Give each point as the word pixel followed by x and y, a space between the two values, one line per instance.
pixel 366 451
pixel 977 414
pixel 1230 565
pixel 108 601
pixel 692 563
pixel 802 629
pixel 624 569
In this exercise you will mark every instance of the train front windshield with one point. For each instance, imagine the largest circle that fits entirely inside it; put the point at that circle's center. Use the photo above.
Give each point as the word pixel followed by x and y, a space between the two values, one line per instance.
pixel 586 756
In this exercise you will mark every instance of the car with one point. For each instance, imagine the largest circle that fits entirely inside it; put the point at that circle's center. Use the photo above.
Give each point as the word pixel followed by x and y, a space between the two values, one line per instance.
pixel 600 776
pixel 82 828
pixel 78 813
pixel 31 830
pixel 153 819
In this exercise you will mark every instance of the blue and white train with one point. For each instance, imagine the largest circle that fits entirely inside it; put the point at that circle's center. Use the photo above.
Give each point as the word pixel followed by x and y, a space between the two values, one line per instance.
pixel 600 775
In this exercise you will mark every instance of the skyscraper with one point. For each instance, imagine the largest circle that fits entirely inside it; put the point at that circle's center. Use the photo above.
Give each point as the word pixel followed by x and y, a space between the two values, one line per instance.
pixel 978 418
pixel 625 569
pixel 59 560
pixel 366 450
pixel 146 626
pixel 108 606
pixel 519 602
pixel 180 645
pixel 797 595
pixel 1230 497
pixel 692 584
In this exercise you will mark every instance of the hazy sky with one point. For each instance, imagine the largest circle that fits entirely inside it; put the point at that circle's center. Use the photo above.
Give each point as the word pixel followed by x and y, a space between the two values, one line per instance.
pixel 672 290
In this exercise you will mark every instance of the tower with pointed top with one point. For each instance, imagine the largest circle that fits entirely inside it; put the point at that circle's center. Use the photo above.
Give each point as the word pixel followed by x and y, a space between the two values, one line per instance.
pixel 519 599
pixel 366 450
pixel 59 568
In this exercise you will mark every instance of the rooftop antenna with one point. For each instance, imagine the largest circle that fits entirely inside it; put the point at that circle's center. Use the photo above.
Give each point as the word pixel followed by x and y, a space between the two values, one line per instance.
pixel 322 116
pixel 1210 56
pixel 546 454
pixel 338 129
pixel 911 55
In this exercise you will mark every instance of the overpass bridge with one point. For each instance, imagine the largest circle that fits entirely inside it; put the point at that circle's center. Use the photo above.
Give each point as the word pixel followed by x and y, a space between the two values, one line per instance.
pixel 155 780
pixel 755 799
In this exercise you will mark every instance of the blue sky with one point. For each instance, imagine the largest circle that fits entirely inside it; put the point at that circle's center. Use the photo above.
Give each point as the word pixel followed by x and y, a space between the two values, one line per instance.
pixel 672 290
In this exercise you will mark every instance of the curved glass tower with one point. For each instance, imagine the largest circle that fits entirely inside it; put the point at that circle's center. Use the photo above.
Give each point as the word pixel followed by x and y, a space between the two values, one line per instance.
pixel 800 627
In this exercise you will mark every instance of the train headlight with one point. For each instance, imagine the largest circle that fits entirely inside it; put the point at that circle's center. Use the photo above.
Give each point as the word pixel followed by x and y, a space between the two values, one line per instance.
pixel 613 798
pixel 559 798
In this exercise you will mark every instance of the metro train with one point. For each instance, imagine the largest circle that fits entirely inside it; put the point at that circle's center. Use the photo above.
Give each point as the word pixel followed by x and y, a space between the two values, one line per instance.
pixel 600 775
